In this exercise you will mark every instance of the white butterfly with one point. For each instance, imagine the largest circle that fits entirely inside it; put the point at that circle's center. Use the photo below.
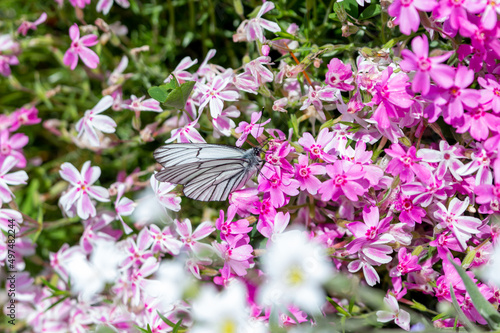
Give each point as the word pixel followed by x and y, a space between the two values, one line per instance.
pixel 209 172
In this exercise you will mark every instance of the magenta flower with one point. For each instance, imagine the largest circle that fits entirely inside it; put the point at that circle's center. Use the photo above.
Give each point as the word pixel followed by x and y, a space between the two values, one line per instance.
pixel 407 263
pixel 481 161
pixel 339 75
pixel 447 157
pixel 215 93
pixel 426 67
pixel 400 317
pixel 456 11
pixel 489 195
pixel 491 92
pixel 26 25
pixel 371 230
pixel 6 179
pixel 275 227
pixel 424 192
pixel 93 122
pixel 478 123
pixel 278 184
pixel 406 13
pixel 462 226
pixel 255 26
pixel 236 253
pixel 228 227
pixel 410 213
pixel 11 146
pixel 457 96
pixel 305 173
pixel 22 117
pixel 254 128
pixel 361 156
pixel 105 5
pixel 391 93
pixel 318 148
pixel 405 164
pixel 80 48
pixel 79 3
pixel 344 180
pixel 81 189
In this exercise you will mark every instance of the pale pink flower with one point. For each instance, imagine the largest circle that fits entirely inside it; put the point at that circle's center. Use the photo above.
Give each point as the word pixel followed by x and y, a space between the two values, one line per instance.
pixel 137 252
pixel 81 189
pixel 186 134
pixel 9 59
pixel 26 25
pixel 123 207
pixel 254 128
pixel 164 241
pixel 164 194
pixel 93 122
pixel 214 93
pixel 224 123
pixel 7 215
pixel 447 156
pixel 255 26
pixel 180 72
pixel 400 317
pixel 258 71
pixel 236 253
pixel 105 5
pixel 6 179
pixel 191 238
pixel 139 104
pixel 491 92
pixel 78 3
pixel 79 48
pixel 12 146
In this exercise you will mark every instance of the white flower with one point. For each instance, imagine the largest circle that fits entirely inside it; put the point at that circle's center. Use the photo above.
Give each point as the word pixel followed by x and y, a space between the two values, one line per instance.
pixel 400 317
pixel 92 122
pixel 295 268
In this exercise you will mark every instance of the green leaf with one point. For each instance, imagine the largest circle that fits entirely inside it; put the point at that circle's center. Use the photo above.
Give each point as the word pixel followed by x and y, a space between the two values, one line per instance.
pixel 338 307
pixel 329 123
pixel 372 10
pixel 418 306
pixel 350 6
pixel 177 326
pixel 158 93
pixel 178 97
pixel 238 7
pixel 485 309
pixel 461 316
pixel 165 319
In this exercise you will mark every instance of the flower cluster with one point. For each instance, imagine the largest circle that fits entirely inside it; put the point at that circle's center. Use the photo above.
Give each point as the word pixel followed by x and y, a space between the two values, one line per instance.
pixel 383 171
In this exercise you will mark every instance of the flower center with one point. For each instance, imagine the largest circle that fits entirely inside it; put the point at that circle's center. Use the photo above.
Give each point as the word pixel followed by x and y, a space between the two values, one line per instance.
pixel 446 156
pixel 406 3
pixel 304 172
pixel 340 180
pixel 316 150
pixel 371 233
pixel 407 160
pixel 424 65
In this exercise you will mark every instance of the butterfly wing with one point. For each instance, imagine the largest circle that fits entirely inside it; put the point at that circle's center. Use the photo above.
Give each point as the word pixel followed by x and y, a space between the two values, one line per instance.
pixel 208 172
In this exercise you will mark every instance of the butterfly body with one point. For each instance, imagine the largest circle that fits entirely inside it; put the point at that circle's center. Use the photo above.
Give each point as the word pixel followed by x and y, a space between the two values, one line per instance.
pixel 209 172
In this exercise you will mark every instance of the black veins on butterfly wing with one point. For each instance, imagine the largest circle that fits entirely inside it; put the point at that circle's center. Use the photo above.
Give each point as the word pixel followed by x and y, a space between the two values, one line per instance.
pixel 209 172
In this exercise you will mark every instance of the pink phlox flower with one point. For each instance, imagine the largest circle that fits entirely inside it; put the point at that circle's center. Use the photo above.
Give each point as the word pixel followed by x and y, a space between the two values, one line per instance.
pixel 478 123
pixel 8 54
pixel 138 278
pixel 410 213
pixel 273 228
pixel 191 239
pixel 186 134
pixel 23 117
pixel 246 82
pixel 137 252
pixel 8 215
pixel 340 138
pixel 345 179
pixel 450 277
pixel 452 100
pixel 254 128
pixel 407 263
pixel 164 194
pixel 278 153
pixel 318 147
pixel 483 255
pixel 406 164
pixel 93 122
pixel 116 77
pixel 489 15
pixel 463 227
pixel 265 210
pixel 391 94
pixel 350 111
pixel 373 229
pixel 207 72
pixel 306 173
pixel 79 3
pixel 214 93
pixel 278 183
pixel 180 72
pixel 236 253
pixel 123 207
pixel 229 227
pixel 456 12
pixel 361 156
pixel 164 241
pixel 105 5
pixel 26 25
pixel 80 48
pixel 245 200
pixel 139 104
pixel 317 95
pixel 12 146
pixel 279 105
pixel 426 67
pixel 489 195
pixel 254 27
pixel 427 190
pixel 400 317
pixel 446 242
pixel 62 256
pixel 481 161
pixel 491 91
pixel 468 307
pixel 339 75
pixel 224 123
pixel 407 13
pixel 95 231
pixel 81 189
pixel 258 71
pixel 447 156
pixel 370 274
pixel 485 41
